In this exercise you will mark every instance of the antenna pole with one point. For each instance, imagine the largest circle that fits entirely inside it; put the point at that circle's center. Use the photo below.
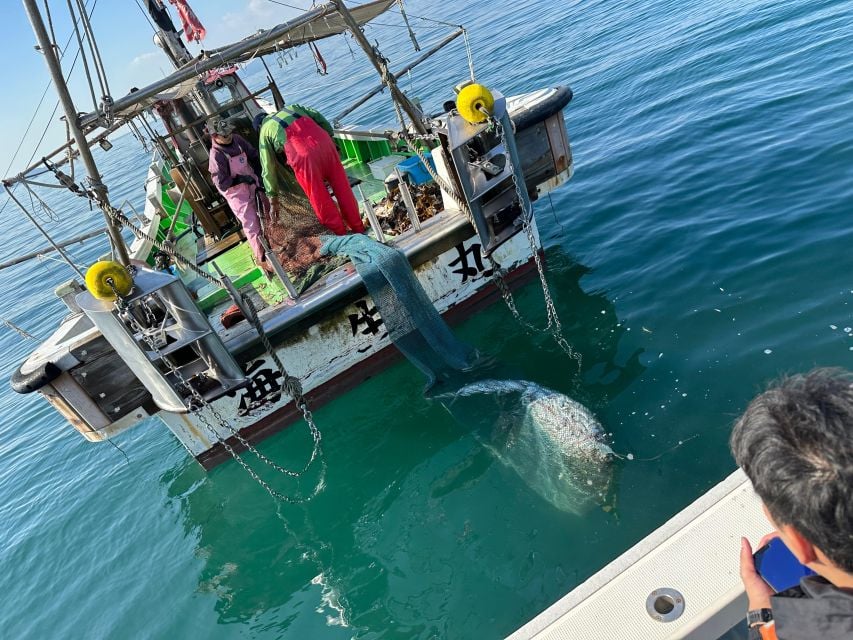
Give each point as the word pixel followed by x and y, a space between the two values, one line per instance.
pixel 72 118
pixel 382 68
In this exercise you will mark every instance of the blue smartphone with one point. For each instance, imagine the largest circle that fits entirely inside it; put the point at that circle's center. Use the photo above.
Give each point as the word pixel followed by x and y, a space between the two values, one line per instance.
pixel 778 566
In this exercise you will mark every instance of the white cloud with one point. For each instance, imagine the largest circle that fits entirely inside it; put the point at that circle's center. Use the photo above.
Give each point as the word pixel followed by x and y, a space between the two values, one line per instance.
pixel 256 14
pixel 148 58
pixel 146 68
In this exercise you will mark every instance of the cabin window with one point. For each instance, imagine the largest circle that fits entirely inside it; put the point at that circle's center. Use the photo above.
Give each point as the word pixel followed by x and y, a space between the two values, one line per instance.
pixel 222 95
pixel 227 92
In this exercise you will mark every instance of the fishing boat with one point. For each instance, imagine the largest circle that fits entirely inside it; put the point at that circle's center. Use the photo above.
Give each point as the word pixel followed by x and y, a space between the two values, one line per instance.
pixel 145 333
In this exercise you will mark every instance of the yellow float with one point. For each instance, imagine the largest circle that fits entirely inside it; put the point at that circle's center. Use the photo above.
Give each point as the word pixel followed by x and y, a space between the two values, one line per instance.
pixel 99 275
pixel 475 103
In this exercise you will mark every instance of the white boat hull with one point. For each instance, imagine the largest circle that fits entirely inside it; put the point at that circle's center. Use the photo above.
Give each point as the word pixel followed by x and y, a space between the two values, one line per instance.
pixel 337 354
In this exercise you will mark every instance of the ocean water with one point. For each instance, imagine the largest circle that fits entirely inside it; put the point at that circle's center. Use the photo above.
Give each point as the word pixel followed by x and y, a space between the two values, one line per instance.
pixel 702 249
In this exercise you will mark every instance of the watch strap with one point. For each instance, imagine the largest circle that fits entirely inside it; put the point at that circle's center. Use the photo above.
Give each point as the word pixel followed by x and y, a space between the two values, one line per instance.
pixel 758 616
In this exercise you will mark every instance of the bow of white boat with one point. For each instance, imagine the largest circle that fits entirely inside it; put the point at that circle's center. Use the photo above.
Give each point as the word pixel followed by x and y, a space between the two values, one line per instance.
pixel 680 581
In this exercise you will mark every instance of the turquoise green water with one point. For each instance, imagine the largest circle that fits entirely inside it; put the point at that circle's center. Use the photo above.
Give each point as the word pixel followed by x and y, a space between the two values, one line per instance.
pixel 701 249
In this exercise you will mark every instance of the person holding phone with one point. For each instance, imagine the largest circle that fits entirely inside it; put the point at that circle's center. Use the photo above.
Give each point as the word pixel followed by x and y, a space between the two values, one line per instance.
pixel 795 444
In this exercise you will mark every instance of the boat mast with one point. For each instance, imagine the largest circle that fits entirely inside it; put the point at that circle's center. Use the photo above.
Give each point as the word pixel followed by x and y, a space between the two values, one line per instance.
pixel 169 40
pixel 382 68
pixel 72 119
pixel 167 36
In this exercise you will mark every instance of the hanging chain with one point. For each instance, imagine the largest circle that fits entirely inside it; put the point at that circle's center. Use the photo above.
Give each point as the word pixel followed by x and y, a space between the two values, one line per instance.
pixel 554 327
pixel 291 383
pixel 199 403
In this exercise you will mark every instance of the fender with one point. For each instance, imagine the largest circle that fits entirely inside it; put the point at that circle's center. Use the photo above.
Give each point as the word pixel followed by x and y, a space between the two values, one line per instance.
pixel 36 379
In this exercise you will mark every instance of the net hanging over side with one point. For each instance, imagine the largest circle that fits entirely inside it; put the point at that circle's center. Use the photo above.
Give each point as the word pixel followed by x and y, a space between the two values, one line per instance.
pixel 412 321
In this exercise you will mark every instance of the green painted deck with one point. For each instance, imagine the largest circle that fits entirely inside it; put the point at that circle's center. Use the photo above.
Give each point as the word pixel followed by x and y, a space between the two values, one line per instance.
pixel 237 262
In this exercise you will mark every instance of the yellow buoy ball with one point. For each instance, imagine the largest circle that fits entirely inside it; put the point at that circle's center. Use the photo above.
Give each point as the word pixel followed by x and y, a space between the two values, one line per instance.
pixel 472 101
pixel 100 273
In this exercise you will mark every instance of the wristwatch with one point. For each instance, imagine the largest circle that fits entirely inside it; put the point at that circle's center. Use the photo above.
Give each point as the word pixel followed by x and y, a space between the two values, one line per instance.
pixel 758 616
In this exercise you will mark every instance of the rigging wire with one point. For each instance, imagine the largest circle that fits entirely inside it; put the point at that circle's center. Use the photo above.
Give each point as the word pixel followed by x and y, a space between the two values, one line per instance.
pixel 38 108
pixel 21 332
pixel 56 106
pixel 373 23
pixel 50 23
pixel 97 60
pixel 445 23
pixel 126 459
pixel 147 17
pixel 35 114
pixel 412 36
pixel 49 214
pixel 74 21
pixel 289 6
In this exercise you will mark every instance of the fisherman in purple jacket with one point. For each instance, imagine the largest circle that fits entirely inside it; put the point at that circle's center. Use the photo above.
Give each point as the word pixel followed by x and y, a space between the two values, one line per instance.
pixel 235 167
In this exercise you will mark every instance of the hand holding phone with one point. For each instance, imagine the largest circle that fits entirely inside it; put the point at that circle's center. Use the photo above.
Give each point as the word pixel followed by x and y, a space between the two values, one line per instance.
pixel 779 568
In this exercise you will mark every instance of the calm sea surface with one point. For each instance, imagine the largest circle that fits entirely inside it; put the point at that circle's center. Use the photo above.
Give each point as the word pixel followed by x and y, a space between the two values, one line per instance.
pixel 702 248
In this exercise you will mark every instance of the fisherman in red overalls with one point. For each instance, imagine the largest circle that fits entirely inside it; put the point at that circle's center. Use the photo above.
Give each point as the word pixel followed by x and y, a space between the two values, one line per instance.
pixel 303 137
pixel 234 166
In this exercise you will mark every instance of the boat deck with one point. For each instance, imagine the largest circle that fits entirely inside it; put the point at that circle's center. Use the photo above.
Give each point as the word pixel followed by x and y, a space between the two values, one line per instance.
pixel 279 314
pixel 695 553
pixel 270 295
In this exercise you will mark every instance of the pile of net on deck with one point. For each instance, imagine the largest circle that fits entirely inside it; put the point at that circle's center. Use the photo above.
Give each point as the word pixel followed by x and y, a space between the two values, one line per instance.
pixel 293 233
pixel 412 321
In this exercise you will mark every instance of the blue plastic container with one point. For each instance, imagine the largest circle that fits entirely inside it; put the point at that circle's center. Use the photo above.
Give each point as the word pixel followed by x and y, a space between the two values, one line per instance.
pixel 416 170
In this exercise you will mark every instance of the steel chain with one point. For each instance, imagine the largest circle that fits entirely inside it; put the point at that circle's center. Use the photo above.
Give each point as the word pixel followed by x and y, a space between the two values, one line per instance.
pixel 200 404
pixel 291 383
pixel 554 327
pixel 294 389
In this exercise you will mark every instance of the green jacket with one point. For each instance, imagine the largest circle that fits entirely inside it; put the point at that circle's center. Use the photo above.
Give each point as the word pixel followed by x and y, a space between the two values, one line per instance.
pixel 272 138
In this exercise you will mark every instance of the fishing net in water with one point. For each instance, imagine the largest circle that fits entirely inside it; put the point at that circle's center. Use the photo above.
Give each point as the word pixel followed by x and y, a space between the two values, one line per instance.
pixel 554 444
pixel 412 321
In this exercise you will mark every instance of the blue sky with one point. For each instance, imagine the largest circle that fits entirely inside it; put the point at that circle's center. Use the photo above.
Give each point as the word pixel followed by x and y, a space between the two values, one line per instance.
pixel 130 58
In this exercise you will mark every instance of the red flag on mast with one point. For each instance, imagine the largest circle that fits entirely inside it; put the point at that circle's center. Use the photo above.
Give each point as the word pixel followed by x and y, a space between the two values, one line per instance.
pixel 193 28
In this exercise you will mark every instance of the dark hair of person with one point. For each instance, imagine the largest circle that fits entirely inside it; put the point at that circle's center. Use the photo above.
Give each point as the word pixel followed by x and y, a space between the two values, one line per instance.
pixel 795 443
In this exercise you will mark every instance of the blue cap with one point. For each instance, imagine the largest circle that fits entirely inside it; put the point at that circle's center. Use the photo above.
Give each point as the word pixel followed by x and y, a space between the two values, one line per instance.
pixel 258 121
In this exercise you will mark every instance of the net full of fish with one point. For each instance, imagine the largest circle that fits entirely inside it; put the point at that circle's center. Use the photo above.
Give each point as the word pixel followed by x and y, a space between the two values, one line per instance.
pixel 555 444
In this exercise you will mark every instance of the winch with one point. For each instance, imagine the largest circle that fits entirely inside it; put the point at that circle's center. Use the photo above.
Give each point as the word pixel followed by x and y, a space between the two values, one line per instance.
pixel 502 158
